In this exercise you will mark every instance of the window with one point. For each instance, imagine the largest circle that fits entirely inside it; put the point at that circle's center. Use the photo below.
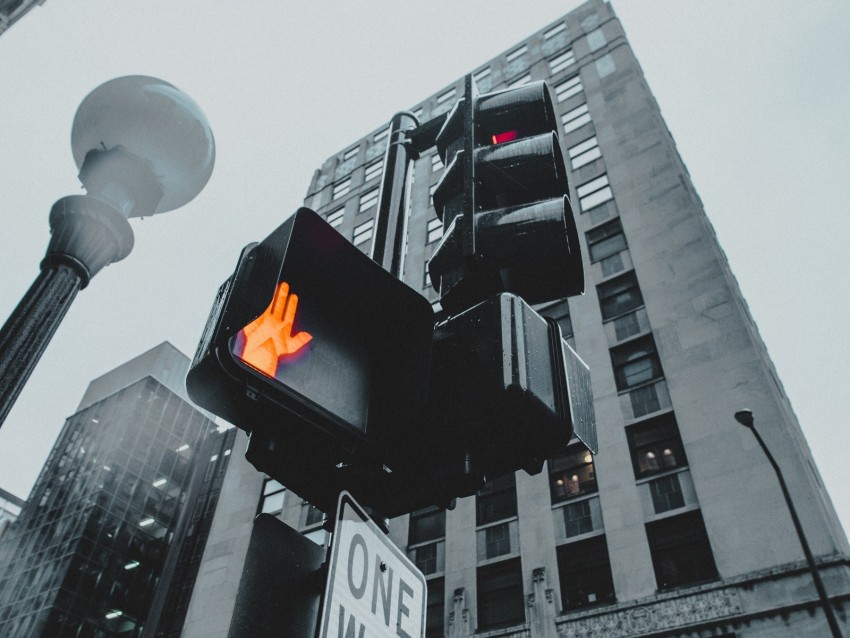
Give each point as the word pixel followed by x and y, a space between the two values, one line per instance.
pixel 448 95
pixel 497 540
pixel 584 153
pixel 575 118
pixel 373 170
pixel 656 446
pixel 551 33
pixel 377 137
pixel 595 192
pixel 560 312
pixel 435 230
pixel 500 597
pixel 562 61
pixel 606 240
pixel 352 152
pixel 436 608
pixel 426 525
pixel 572 474
pixel 619 296
pixel 484 80
pixel 310 515
pixel 636 363
pixel 568 88
pixel 335 218
pixel 681 553
pixel 436 162
pixel 431 191
pixel 516 53
pixel 584 570
pixel 363 232
pixel 341 189
pixel 525 79
pixel 368 199
pixel 496 500
pixel 271 501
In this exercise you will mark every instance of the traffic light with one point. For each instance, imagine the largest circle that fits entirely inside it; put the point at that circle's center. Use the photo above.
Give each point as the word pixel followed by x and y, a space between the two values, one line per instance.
pixel 322 356
pixel 503 200
pixel 506 390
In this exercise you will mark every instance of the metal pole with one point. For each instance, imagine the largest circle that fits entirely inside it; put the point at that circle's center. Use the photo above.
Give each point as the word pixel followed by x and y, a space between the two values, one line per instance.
pixel 391 219
pixel 831 620
pixel 86 235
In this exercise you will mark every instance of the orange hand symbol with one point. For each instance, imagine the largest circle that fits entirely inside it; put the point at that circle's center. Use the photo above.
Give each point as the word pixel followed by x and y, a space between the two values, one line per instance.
pixel 270 336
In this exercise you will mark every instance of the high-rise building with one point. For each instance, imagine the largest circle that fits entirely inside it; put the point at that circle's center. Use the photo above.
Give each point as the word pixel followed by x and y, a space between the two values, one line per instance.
pixel 678 526
pixel 10 509
pixel 110 539
pixel 13 10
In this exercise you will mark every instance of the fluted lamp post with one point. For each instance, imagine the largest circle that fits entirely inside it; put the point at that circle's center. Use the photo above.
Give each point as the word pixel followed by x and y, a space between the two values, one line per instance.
pixel 142 147
pixel 745 418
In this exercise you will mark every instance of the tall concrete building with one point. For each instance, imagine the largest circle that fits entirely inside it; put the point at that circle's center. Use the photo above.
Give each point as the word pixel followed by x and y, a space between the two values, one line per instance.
pixel 13 10
pixel 678 526
pixel 109 542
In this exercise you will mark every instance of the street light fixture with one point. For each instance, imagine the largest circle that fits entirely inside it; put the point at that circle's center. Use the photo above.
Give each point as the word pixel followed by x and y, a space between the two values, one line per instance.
pixel 142 147
pixel 745 418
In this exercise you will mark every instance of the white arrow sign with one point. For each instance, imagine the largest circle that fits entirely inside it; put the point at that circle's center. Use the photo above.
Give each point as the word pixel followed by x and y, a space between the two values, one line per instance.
pixel 373 589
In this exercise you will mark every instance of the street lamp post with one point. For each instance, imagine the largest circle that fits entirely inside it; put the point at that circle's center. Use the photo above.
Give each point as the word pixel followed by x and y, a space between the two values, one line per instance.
pixel 745 418
pixel 142 147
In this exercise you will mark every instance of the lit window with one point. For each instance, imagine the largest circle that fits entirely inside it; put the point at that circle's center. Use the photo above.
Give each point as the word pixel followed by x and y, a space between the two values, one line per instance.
pixel 368 199
pixel 636 363
pixel 363 232
pixel 341 189
pixel 681 553
pixel 513 55
pixel 271 501
pixel 448 95
pixel 501 602
pixel 352 152
pixel 606 240
pixel 656 446
pixel 525 79
pixel 373 170
pixel 593 193
pixel 435 230
pixel 575 118
pixel 619 296
pixel 551 33
pixel 585 573
pixel 572 474
pixel 335 218
pixel 562 61
pixel 436 162
pixel 568 88
pixel 584 153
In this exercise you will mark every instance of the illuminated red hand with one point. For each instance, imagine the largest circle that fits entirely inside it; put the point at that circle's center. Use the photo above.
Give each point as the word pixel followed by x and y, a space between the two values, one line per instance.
pixel 270 336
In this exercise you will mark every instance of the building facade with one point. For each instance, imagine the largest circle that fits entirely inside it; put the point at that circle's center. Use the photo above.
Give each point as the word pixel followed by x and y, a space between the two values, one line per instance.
pixel 13 10
pixel 678 526
pixel 112 533
pixel 10 509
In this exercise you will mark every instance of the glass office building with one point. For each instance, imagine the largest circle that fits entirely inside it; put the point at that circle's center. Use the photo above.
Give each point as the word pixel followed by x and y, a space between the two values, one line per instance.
pixel 105 521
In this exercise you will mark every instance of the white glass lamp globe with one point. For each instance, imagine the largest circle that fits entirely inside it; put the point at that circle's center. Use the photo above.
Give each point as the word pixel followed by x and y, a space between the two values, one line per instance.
pixel 142 145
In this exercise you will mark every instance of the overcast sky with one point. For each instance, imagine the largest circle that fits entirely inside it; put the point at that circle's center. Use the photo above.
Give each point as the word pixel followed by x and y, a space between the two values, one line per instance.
pixel 755 93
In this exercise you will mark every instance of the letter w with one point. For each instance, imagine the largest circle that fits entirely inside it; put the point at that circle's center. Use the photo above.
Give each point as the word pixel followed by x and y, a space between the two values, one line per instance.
pixel 349 633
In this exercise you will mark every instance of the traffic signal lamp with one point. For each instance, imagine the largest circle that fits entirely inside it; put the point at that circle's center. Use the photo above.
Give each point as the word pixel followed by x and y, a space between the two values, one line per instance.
pixel 312 347
pixel 506 388
pixel 504 202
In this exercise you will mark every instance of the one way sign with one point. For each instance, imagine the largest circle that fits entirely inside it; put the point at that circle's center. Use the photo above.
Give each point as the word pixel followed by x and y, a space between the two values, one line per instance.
pixel 373 590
